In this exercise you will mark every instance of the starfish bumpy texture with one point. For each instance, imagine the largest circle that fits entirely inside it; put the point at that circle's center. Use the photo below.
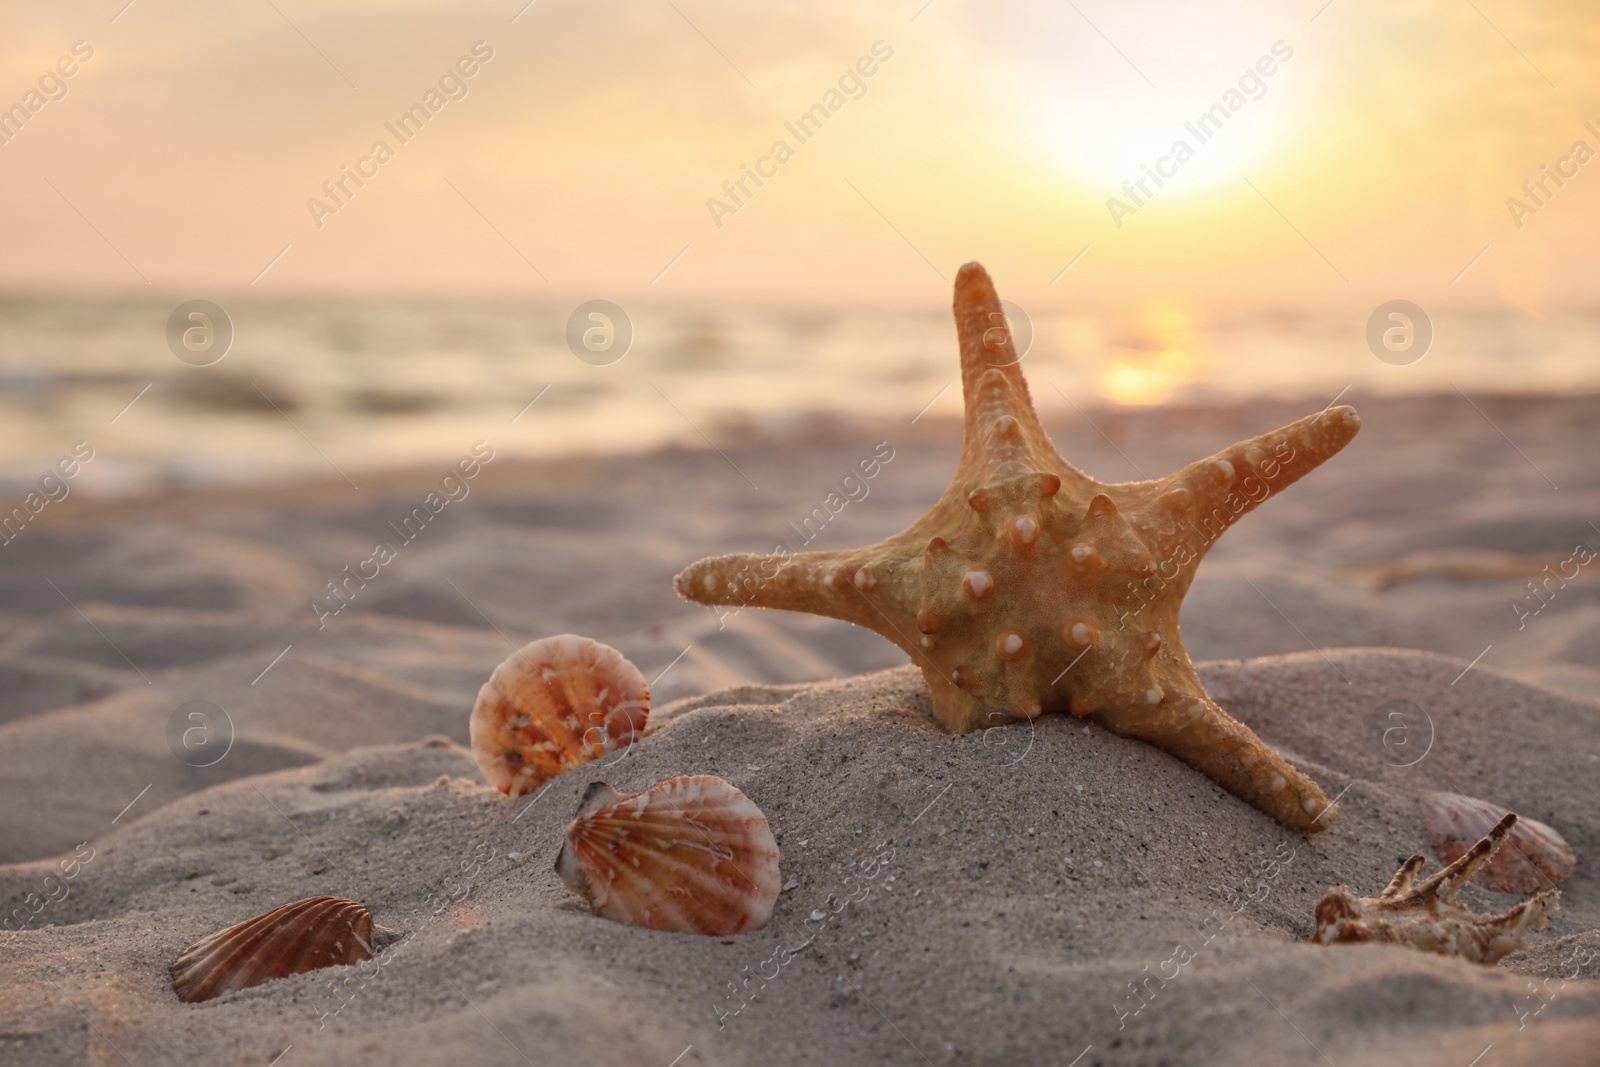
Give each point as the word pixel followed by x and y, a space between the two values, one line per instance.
pixel 1032 587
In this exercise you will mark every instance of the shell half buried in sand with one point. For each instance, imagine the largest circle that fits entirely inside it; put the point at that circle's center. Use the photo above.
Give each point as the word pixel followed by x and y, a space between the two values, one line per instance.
pixel 1534 856
pixel 302 936
pixel 553 705
pixel 692 855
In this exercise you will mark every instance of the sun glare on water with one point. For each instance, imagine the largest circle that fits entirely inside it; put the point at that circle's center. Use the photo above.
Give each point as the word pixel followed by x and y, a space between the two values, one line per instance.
pixel 1147 368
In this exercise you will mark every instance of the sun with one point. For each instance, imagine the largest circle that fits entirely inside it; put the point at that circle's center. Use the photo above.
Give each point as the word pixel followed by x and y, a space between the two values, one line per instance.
pixel 1191 107
pixel 1110 147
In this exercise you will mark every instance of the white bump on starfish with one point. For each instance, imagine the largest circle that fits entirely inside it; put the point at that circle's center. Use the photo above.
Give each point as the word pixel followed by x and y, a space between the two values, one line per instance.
pixel 1082 554
pixel 865 579
pixel 1151 642
pixel 1026 530
pixel 1081 634
pixel 977 583
pixel 1009 645
pixel 1153 695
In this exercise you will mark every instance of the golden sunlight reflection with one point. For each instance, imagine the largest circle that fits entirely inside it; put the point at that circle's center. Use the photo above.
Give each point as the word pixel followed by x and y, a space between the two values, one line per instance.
pixel 1160 358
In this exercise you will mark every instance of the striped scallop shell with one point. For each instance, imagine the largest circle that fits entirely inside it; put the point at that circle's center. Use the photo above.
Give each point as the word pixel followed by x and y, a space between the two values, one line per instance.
pixel 302 936
pixel 692 855
pixel 1534 856
pixel 553 705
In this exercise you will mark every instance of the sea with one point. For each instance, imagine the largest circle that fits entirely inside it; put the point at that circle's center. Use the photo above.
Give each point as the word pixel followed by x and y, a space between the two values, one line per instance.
pixel 271 391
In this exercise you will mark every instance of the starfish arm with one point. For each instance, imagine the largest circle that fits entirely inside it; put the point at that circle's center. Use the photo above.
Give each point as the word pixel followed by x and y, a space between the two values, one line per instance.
pixel 1199 503
pixel 1191 726
pixel 840 585
pixel 816 582
pixel 1002 437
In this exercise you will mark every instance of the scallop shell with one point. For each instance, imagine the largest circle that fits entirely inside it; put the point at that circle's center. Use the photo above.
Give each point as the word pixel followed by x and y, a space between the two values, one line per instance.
pixel 691 855
pixel 1534 856
pixel 302 936
pixel 553 705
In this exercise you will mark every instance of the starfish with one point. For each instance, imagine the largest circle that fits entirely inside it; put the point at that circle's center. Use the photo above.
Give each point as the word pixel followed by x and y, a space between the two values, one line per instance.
pixel 1032 587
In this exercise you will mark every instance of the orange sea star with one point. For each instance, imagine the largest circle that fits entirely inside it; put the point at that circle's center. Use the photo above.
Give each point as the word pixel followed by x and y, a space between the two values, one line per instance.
pixel 1032 587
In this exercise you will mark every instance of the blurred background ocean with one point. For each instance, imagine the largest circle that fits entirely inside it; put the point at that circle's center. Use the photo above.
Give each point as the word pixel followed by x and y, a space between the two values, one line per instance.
pixel 1393 151
pixel 345 386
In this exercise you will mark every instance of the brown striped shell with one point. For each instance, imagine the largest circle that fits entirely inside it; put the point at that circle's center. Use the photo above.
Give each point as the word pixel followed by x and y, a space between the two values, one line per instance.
pixel 1534 857
pixel 553 705
pixel 302 936
pixel 691 855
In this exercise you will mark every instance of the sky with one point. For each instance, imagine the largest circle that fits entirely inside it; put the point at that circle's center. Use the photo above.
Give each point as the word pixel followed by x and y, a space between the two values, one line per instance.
pixel 1356 152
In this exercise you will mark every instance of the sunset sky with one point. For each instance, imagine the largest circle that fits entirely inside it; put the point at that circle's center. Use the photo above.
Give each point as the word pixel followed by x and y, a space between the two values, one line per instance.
pixel 1375 161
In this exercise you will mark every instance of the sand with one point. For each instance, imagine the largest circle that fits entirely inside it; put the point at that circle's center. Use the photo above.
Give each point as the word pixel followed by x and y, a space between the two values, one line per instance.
pixel 984 899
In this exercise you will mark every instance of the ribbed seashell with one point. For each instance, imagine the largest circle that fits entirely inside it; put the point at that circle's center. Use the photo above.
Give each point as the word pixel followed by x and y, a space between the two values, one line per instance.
pixel 691 855
pixel 553 705
pixel 302 936
pixel 1533 857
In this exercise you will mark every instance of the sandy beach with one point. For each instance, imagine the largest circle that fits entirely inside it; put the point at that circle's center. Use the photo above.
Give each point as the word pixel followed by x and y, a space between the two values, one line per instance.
pixel 394 390
pixel 995 898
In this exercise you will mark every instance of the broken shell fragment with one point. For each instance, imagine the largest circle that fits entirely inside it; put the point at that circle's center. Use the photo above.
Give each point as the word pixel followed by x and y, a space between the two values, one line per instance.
pixel 1535 857
pixel 1427 916
pixel 553 705
pixel 691 855
pixel 302 936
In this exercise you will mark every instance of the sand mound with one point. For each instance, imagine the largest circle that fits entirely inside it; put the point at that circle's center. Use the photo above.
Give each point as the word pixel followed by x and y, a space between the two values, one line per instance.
pixel 984 899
